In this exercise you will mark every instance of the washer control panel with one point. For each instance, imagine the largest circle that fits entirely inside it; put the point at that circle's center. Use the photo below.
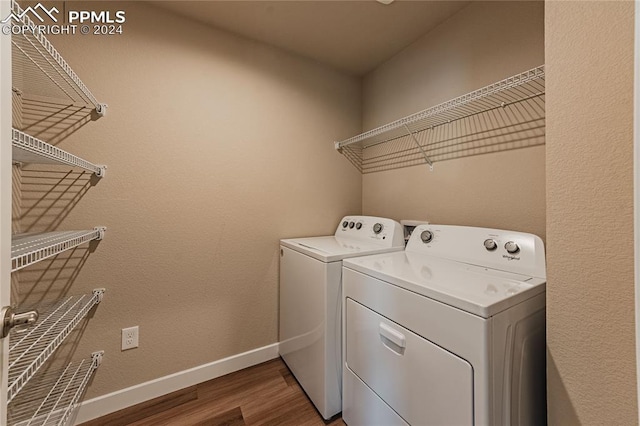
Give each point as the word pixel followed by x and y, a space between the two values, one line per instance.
pixel 510 251
pixel 370 228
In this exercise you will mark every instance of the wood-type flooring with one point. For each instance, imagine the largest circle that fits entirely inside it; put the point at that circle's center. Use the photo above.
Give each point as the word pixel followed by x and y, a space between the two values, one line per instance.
pixel 265 394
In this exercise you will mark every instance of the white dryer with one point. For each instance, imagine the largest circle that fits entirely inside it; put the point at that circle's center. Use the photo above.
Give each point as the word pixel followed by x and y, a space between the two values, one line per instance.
pixel 311 306
pixel 449 332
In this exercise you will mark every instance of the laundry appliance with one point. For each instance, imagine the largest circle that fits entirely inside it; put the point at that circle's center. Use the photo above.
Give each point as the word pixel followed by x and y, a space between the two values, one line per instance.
pixel 311 304
pixel 450 331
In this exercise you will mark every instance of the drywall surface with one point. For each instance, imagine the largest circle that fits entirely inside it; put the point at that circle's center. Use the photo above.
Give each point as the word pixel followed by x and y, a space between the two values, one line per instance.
pixel 590 262
pixel 483 43
pixel 216 148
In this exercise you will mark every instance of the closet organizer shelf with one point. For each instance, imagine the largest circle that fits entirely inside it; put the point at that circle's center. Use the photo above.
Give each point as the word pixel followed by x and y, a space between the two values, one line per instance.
pixel 53 397
pixel 32 49
pixel 27 149
pixel 30 348
pixel 27 249
pixel 42 78
pixel 523 93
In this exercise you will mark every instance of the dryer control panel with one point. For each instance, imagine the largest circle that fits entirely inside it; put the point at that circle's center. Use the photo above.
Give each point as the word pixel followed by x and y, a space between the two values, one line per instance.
pixel 370 228
pixel 510 251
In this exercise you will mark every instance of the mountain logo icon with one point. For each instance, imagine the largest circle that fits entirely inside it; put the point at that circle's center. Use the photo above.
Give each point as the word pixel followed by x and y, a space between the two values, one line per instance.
pixel 21 15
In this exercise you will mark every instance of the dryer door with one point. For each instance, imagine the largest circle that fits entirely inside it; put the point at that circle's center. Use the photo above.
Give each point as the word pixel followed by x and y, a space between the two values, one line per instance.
pixel 419 380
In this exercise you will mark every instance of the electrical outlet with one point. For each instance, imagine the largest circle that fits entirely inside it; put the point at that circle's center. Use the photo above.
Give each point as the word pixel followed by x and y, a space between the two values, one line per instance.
pixel 129 338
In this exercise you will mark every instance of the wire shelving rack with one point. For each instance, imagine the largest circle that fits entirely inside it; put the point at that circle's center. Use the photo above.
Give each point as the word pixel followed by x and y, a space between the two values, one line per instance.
pixel 27 149
pixel 41 77
pixel 27 249
pixel 504 115
pixel 52 397
pixel 30 348
pixel 34 55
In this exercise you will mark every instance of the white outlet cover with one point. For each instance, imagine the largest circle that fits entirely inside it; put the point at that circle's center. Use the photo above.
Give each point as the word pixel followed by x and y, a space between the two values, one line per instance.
pixel 129 338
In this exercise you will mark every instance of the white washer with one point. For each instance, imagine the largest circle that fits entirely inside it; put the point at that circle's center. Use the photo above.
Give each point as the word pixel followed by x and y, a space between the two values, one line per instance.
pixel 310 302
pixel 449 332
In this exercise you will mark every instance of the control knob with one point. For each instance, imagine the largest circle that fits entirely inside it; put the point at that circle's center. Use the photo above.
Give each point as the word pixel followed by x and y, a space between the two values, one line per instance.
pixel 377 228
pixel 345 224
pixel 511 247
pixel 426 236
pixel 490 244
pixel 351 225
pixel 358 225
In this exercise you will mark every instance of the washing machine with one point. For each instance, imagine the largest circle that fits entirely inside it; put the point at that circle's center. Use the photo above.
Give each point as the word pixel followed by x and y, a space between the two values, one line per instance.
pixel 311 305
pixel 449 332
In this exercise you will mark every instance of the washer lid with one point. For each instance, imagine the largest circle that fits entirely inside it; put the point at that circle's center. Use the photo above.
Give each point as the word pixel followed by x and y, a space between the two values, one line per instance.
pixel 475 289
pixel 333 249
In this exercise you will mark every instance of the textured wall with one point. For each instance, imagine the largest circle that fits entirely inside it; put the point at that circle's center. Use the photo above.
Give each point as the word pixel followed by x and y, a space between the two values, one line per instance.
pixel 483 43
pixel 590 290
pixel 216 148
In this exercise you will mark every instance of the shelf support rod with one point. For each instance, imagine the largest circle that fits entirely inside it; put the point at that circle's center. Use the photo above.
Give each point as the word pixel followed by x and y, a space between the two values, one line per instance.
pixel 426 157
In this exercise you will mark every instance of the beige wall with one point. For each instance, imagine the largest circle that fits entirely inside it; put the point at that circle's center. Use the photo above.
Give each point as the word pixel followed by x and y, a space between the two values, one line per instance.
pixel 216 148
pixel 483 43
pixel 590 290
pixel 213 143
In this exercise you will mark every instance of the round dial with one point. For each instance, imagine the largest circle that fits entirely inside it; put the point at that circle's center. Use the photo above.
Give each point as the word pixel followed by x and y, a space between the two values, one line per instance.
pixel 345 224
pixel 511 247
pixel 426 236
pixel 490 244
pixel 358 225
pixel 351 225
pixel 377 228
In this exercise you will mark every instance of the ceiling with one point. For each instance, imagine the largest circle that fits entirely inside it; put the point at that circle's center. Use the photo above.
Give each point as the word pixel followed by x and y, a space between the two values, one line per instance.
pixel 353 36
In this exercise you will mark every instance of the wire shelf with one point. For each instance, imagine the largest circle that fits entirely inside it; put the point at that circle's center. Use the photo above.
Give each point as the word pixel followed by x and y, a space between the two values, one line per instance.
pixel 27 249
pixel 35 56
pixel 508 114
pixel 27 149
pixel 30 348
pixel 53 398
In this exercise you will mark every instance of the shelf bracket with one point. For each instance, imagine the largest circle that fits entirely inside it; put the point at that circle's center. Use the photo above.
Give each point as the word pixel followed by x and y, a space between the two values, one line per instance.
pixel 337 146
pixel 99 292
pixel 102 170
pixel 426 157
pixel 101 109
pixel 101 230
pixel 96 358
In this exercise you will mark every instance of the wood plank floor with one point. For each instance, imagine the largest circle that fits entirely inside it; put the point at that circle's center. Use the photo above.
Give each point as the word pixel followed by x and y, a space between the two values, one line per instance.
pixel 265 394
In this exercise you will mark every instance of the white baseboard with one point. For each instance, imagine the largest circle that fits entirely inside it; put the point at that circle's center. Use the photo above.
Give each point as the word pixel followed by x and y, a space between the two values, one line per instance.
pixel 105 404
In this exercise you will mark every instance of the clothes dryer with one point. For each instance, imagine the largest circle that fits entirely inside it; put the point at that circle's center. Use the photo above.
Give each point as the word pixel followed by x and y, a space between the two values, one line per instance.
pixel 449 332
pixel 311 304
